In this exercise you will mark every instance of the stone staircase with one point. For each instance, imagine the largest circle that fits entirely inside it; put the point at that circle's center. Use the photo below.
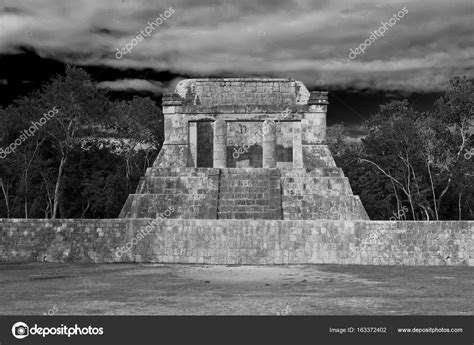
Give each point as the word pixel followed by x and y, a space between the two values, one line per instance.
pixel 245 193
pixel 252 193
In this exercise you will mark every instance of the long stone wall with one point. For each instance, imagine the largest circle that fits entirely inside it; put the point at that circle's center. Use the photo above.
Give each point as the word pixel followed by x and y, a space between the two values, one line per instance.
pixel 237 241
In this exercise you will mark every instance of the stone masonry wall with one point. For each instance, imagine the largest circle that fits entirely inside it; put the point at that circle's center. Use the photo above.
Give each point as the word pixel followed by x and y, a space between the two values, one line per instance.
pixel 238 241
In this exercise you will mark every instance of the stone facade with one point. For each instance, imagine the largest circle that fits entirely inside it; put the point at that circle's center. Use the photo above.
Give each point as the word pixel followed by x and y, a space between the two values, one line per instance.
pixel 263 143
pixel 225 241
pixel 243 104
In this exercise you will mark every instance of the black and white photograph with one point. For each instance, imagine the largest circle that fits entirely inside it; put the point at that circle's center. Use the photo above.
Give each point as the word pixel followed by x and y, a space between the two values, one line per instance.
pixel 236 172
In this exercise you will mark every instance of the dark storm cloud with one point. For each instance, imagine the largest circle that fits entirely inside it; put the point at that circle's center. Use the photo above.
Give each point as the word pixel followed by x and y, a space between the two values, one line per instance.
pixel 11 10
pixel 303 39
pixel 134 84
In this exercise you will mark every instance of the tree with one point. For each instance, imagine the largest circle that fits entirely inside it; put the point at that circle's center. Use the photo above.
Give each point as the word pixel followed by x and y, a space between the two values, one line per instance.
pixel 23 135
pixel 138 126
pixel 81 105
pixel 455 110
pixel 392 148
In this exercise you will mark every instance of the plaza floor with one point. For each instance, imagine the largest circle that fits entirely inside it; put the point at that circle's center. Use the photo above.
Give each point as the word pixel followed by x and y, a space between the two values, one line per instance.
pixel 157 289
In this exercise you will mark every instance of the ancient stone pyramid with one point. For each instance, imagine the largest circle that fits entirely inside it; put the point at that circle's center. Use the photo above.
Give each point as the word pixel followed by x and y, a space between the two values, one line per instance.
pixel 245 149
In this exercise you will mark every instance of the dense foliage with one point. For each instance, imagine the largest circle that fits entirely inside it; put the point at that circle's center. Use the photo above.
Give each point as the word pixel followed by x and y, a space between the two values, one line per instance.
pixel 420 162
pixel 84 161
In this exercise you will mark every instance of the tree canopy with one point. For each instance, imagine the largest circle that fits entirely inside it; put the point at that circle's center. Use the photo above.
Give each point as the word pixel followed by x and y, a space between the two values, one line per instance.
pixel 414 160
pixel 84 160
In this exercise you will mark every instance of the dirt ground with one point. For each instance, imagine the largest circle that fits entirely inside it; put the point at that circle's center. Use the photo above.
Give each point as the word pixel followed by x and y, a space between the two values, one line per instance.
pixel 157 289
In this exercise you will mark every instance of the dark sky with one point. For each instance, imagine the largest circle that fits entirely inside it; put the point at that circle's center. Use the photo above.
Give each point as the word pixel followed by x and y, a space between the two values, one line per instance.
pixel 301 39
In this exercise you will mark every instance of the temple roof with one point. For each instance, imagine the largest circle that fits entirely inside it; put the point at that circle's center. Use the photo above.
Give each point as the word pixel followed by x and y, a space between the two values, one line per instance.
pixel 242 91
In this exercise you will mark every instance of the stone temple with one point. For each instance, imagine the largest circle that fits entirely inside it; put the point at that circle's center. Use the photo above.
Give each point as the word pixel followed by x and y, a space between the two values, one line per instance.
pixel 245 149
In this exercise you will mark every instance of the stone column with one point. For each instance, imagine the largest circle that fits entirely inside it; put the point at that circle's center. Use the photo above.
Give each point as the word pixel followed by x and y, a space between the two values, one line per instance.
pixel 297 145
pixel 269 144
pixel 192 142
pixel 313 132
pixel 220 144
pixel 174 152
pixel 313 124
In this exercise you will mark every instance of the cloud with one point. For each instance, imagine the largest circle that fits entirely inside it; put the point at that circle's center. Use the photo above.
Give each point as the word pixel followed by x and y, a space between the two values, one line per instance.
pixel 140 85
pixel 134 85
pixel 302 39
pixel 355 132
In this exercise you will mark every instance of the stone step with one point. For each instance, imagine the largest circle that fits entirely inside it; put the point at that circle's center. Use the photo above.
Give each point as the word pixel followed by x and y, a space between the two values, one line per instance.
pixel 244 192
pixel 185 206
pixel 242 195
pixel 246 214
pixel 173 184
pixel 181 172
pixel 304 186
pixel 249 202
pixel 259 172
pixel 283 172
pixel 185 198
pixel 249 183
pixel 329 171
pixel 346 207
